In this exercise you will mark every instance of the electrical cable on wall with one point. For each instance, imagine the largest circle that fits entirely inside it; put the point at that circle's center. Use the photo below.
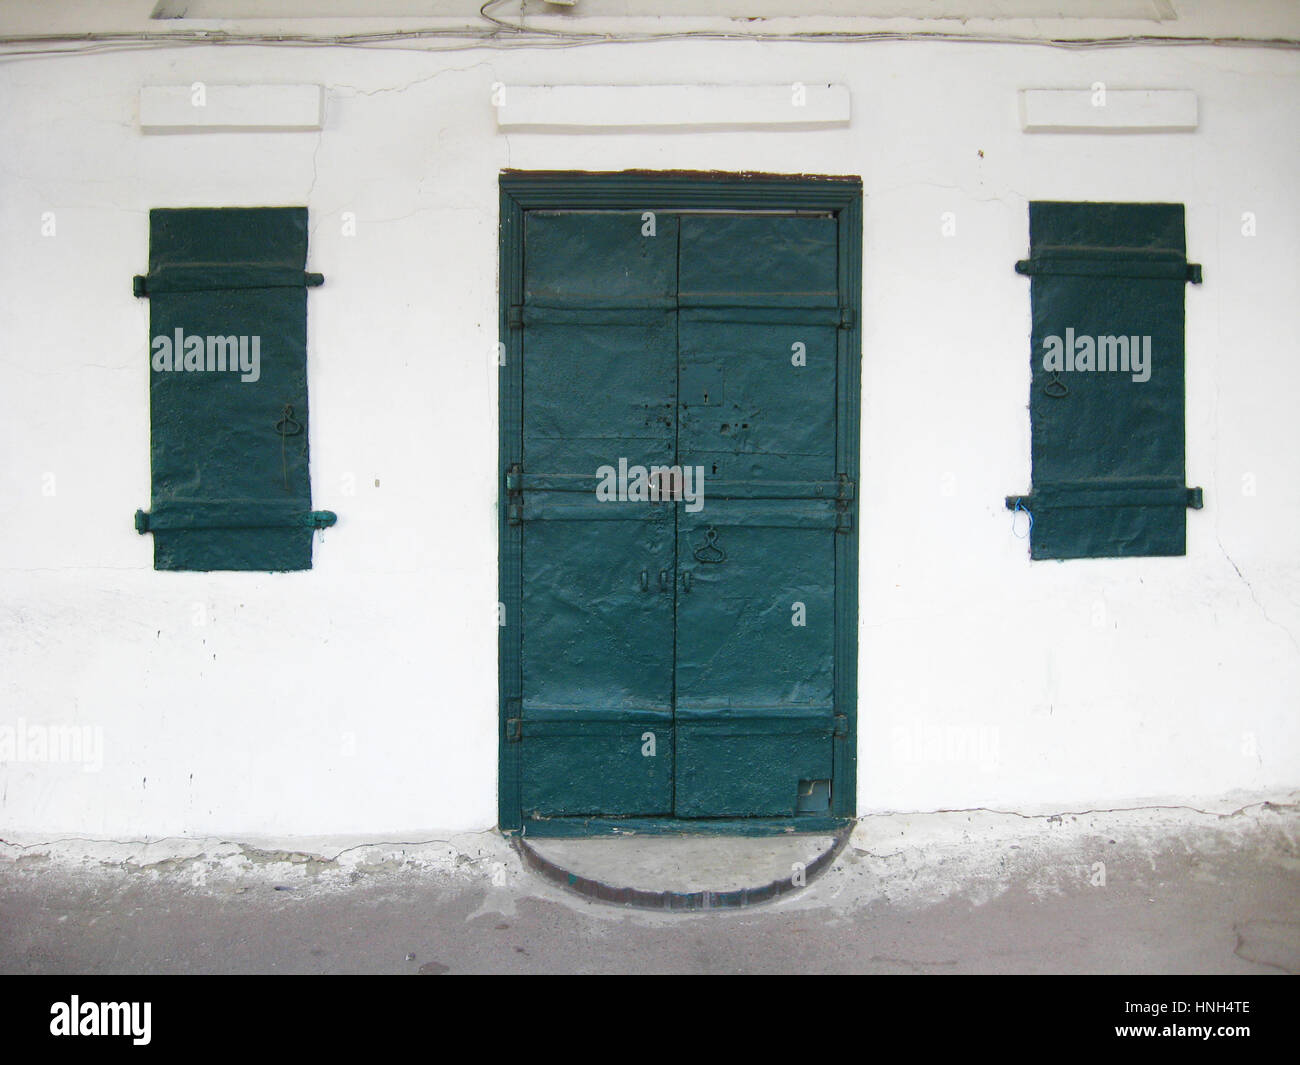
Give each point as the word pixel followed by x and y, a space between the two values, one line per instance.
pixel 502 34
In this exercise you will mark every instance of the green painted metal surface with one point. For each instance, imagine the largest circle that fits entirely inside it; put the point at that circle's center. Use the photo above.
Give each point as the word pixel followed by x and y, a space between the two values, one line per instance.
pixel 228 389
pixel 676 658
pixel 1107 397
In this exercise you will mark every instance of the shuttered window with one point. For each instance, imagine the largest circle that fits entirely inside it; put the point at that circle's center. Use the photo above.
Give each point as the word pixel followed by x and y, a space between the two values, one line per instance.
pixel 228 389
pixel 1106 404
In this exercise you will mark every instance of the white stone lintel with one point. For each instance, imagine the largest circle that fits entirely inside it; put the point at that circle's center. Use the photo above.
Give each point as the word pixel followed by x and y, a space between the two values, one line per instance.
pixel 203 108
pixel 611 108
pixel 1105 110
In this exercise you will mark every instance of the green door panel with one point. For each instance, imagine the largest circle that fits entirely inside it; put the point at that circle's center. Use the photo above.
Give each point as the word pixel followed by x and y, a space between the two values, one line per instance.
pixel 596 259
pixel 231 489
pixel 598 617
pixel 591 767
pixel 757 364
pixel 598 629
pixel 587 404
pixel 759 261
pixel 742 638
pixel 755 655
pixel 748 413
pixel 599 359
pixel 597 676
pixel 755 766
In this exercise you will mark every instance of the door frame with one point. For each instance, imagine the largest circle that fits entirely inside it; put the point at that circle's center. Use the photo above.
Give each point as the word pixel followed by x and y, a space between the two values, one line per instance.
pixel 643 190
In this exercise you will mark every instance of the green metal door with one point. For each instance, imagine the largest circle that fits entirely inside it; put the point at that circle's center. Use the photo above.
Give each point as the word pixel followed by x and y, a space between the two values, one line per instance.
pixel 599 369
pixel 682 513
pixel 757 328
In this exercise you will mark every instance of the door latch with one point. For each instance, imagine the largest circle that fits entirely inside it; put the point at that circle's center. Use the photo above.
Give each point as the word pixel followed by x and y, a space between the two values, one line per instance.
pixel 709 552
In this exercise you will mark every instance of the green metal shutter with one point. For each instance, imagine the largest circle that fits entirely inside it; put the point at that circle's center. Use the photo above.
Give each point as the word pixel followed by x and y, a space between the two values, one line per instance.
pixel 1107 398
pixel 228 389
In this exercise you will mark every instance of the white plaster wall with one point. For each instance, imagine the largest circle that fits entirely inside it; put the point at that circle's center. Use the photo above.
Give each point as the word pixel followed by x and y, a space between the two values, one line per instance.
pixel 360 697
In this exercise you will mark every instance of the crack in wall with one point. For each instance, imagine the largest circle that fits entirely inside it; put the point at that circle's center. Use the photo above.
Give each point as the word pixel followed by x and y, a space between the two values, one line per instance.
pixel 1254 597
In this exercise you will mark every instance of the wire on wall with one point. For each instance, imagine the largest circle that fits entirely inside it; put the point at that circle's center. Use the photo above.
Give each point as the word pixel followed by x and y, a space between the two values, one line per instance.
pixel 498 33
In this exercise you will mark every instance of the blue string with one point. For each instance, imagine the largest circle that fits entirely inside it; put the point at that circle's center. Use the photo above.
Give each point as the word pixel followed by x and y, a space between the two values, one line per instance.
pixel 1019 507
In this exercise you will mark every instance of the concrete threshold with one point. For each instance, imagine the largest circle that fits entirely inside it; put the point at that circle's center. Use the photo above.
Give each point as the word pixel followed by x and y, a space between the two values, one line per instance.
pixel 683 872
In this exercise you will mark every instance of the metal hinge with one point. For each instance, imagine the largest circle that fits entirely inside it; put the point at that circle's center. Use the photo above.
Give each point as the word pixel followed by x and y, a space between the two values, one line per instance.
pixel 229 514
pixel 515 494
pixel 514 729
pixel 515 316
pixel 1137 267
pixel 844 492
pixel 1107 494
pixel 216 277
pixel 846 317
pixel 841 727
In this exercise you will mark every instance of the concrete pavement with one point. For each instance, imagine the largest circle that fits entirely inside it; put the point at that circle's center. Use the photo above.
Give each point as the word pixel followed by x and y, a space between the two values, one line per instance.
pixel 1158 889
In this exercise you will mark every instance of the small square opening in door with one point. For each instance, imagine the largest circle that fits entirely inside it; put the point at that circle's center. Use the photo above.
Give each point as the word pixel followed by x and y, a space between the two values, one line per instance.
pixel 814 797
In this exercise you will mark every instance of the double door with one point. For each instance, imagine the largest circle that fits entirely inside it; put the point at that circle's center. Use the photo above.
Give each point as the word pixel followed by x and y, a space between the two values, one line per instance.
pixel 680 513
